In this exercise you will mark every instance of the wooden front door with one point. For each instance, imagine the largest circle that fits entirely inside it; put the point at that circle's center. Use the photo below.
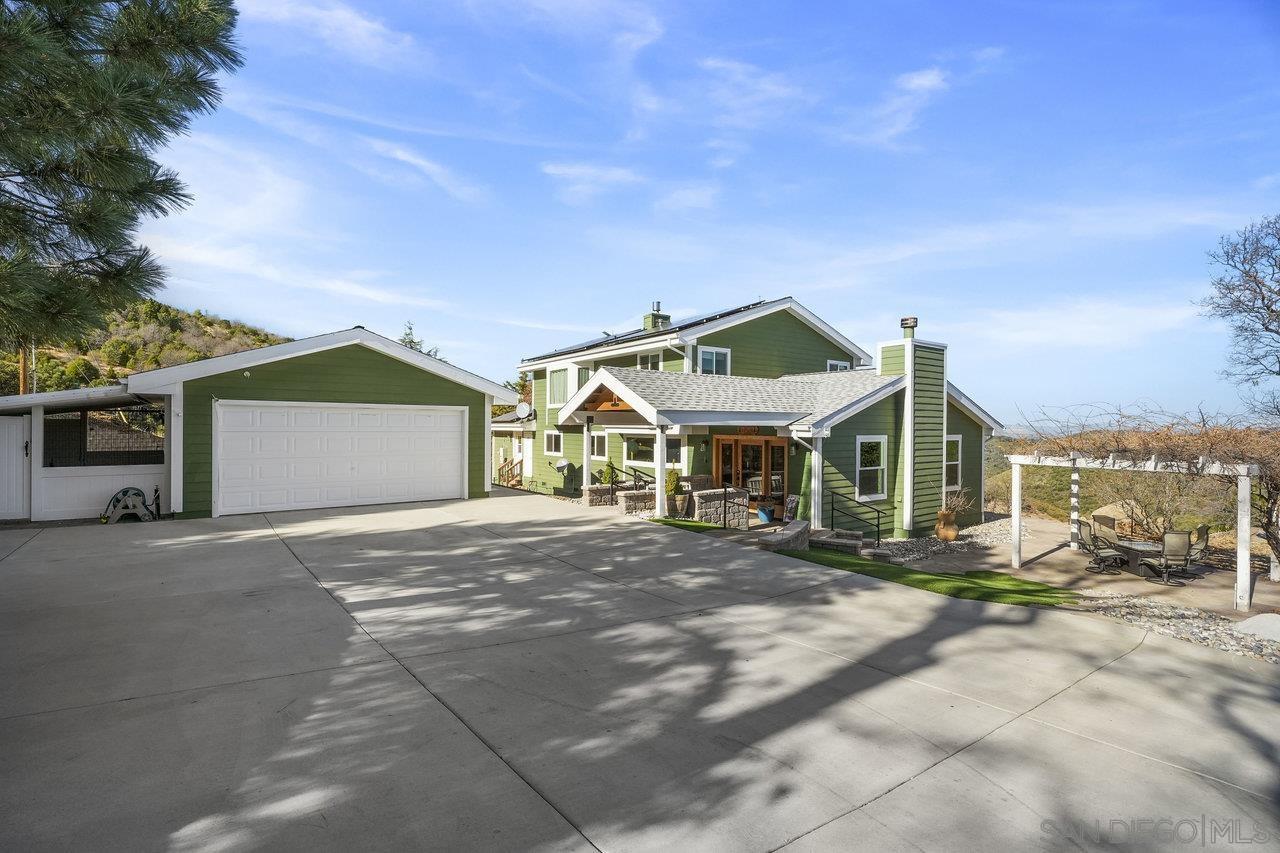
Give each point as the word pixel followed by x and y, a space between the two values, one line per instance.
pixel 757 464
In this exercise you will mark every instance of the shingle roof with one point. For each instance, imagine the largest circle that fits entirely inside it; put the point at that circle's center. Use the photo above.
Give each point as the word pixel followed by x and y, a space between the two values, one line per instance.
pixel 808 396
pixel 639 334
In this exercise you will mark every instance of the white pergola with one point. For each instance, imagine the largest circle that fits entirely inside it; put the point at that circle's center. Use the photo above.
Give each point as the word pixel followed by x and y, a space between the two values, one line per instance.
pixel 1243 475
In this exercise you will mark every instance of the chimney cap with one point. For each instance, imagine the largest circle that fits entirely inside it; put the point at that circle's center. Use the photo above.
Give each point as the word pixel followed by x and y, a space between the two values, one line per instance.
pixel 909 322
pixel 657 306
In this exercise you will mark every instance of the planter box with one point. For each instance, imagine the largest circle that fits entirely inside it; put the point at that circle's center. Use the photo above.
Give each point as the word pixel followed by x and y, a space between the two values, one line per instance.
pixel 709 506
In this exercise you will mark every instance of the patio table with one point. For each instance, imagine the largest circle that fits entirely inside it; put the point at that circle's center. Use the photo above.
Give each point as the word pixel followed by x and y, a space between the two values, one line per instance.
pixel 1137 550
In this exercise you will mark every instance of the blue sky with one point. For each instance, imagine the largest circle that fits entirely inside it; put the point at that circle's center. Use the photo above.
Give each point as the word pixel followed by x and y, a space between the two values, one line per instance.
pixel 1037 181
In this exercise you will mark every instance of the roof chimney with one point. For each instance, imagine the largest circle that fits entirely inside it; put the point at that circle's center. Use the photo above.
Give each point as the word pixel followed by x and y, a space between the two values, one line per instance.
pixel 655 319
pixel 908 325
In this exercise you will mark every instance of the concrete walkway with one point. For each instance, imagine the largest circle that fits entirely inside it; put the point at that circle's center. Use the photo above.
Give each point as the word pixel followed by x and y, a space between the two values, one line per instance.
pixel 522 673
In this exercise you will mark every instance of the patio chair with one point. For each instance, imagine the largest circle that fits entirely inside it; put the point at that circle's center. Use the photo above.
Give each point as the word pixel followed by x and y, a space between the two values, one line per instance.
pixel 1175 557
pixel 1200 544
pixel 1104 522
pixel 1103 560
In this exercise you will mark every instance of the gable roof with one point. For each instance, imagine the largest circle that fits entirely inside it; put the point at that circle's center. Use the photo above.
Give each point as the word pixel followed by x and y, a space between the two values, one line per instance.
pixel 801 401
pixel 156 380
pixel 686 330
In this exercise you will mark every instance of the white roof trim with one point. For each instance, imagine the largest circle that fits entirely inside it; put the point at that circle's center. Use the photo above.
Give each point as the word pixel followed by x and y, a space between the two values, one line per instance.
pixel 972 409
pixel 787 304
pixel 718 418
pixel 842 414
pixel 604 379
pixel 154 379
pixel 100 395
pixel 601 351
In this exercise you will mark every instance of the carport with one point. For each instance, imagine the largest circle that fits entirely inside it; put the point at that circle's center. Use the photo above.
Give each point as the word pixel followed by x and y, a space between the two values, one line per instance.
pixel 344 419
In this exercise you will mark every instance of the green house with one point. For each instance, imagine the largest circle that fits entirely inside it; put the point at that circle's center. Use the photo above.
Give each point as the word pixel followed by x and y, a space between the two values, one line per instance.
pixel 766 397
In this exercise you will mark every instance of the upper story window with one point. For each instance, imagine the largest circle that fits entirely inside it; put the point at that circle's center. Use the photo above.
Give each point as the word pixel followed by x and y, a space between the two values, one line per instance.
pixel 557 386
pixel 871 467
pixel 649 361
pixel 584 373
pixel 951 466
pixel 714 360
pixel 834 366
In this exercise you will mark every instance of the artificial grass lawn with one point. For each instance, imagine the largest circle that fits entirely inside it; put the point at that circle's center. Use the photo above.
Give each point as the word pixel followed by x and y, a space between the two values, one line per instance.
pixel 686 524
pixel 979 586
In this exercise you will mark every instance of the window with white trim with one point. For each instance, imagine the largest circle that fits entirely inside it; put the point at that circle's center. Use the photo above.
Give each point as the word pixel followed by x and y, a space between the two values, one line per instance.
pixel 951 467
pixel 834 366
pixel 584 373
pixel 639 450
pixel 870 478
pixel 599 445
pixel 552 443
pixel 557 386
pixel 649 361
pixel 713 360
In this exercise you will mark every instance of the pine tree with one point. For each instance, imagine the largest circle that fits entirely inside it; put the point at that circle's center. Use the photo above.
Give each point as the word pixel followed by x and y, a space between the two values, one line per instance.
pixel 89 90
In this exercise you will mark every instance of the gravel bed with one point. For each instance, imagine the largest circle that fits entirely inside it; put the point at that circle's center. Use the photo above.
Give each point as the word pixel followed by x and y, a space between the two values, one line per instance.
pixel 1185 623
pixel 979 537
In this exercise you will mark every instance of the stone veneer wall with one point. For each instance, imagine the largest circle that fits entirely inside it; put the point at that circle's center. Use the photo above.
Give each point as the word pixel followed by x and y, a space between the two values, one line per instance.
pixel 709 506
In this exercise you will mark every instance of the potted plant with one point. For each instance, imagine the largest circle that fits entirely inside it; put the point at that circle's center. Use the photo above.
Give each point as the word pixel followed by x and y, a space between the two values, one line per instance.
pixel 954 503
pixel 677 500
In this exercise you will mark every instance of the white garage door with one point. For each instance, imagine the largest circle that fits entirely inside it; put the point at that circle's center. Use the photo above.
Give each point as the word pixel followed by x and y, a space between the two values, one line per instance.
pixel 303 455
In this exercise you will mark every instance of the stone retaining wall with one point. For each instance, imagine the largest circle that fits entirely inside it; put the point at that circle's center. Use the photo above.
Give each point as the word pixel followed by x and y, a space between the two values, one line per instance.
pixel 709 506
pixel 637 503
pixel 599 495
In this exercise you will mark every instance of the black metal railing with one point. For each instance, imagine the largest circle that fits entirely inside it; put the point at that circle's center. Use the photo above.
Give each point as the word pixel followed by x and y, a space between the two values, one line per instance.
pixel 845 506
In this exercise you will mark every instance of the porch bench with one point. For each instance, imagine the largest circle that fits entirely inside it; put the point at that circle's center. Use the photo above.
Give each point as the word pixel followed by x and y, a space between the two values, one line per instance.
pixel 794 536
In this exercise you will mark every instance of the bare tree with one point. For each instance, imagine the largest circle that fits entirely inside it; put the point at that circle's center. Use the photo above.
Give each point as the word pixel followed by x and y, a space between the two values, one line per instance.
pixel 1246 294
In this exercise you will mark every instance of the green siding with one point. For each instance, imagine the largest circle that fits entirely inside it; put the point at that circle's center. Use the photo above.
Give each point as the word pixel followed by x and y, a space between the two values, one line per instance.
pixel 971 469
pixel 893 360
pixel 929 380
pixel 774 345
pixel 840 464
pixel 350 374
pixel 670 360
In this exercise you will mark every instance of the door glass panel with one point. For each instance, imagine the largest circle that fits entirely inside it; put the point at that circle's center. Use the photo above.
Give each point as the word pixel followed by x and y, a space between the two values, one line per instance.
pixel 777 467
pixel 726 463
pixel 753 470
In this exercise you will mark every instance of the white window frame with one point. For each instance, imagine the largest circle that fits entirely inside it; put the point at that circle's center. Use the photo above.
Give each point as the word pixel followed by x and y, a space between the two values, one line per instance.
pixel 959 440
pixel 547 434
pixel 628 462
pixel 883 467
pixel 567 392
pixel 641 356
pixel 728 359
pixel 836 366
pixel 605 436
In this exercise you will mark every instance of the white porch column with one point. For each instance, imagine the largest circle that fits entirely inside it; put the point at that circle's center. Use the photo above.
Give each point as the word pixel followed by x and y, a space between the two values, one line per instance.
pixel 815 484
pixel 1015 513
pixel 1244 524
pixel 586 460
pixel 1075 506
pixel 174 447
pixel 660 472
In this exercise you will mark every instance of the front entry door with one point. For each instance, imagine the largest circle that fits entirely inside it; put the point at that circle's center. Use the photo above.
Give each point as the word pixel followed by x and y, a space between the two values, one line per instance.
pixel 757 464
pixel 15 473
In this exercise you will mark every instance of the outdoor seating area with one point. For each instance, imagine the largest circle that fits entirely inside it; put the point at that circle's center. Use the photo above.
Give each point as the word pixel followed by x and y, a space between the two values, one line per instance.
pixel 1167 562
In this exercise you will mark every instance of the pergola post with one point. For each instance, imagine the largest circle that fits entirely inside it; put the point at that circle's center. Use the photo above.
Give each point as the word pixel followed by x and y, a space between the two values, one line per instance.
pixel 1244 526
pixel 660 473
pixel 1015 512
pixel 1075 506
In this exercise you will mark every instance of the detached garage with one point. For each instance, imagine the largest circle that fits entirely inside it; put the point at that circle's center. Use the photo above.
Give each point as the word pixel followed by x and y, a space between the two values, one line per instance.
pixel 344 419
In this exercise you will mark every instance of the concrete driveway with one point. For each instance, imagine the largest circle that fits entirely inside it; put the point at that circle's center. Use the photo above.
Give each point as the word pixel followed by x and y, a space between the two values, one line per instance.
pixel 521 673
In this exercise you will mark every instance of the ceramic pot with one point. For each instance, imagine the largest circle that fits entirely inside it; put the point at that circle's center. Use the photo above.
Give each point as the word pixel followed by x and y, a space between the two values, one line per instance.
pixel 946 528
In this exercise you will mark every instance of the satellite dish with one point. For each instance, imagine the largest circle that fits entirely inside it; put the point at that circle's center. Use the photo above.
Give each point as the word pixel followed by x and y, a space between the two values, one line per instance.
pixel 562 465
pixel 523 410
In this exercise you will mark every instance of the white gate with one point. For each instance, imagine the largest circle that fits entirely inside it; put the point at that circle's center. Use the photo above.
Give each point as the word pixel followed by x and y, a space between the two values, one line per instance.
pixel 15 467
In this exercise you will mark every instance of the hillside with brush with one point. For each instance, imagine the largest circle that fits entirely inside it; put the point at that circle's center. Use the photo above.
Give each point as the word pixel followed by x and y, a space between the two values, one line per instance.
pixel 145 336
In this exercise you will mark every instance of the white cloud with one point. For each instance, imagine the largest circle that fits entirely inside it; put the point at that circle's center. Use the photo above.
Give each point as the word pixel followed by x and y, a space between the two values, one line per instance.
pixel 899 110
pixel 1073 324
pixel 1266 182
pixel 339 27
pixel 745 96
pixel 439 175
pixel 695 196
pixel 582 182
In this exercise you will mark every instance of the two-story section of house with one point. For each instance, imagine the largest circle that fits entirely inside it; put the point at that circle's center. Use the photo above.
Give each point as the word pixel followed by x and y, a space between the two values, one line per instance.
pixel 766 397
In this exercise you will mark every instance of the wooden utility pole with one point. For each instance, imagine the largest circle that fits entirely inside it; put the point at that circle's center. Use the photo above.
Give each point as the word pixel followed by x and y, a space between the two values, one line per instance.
pixel 24 370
